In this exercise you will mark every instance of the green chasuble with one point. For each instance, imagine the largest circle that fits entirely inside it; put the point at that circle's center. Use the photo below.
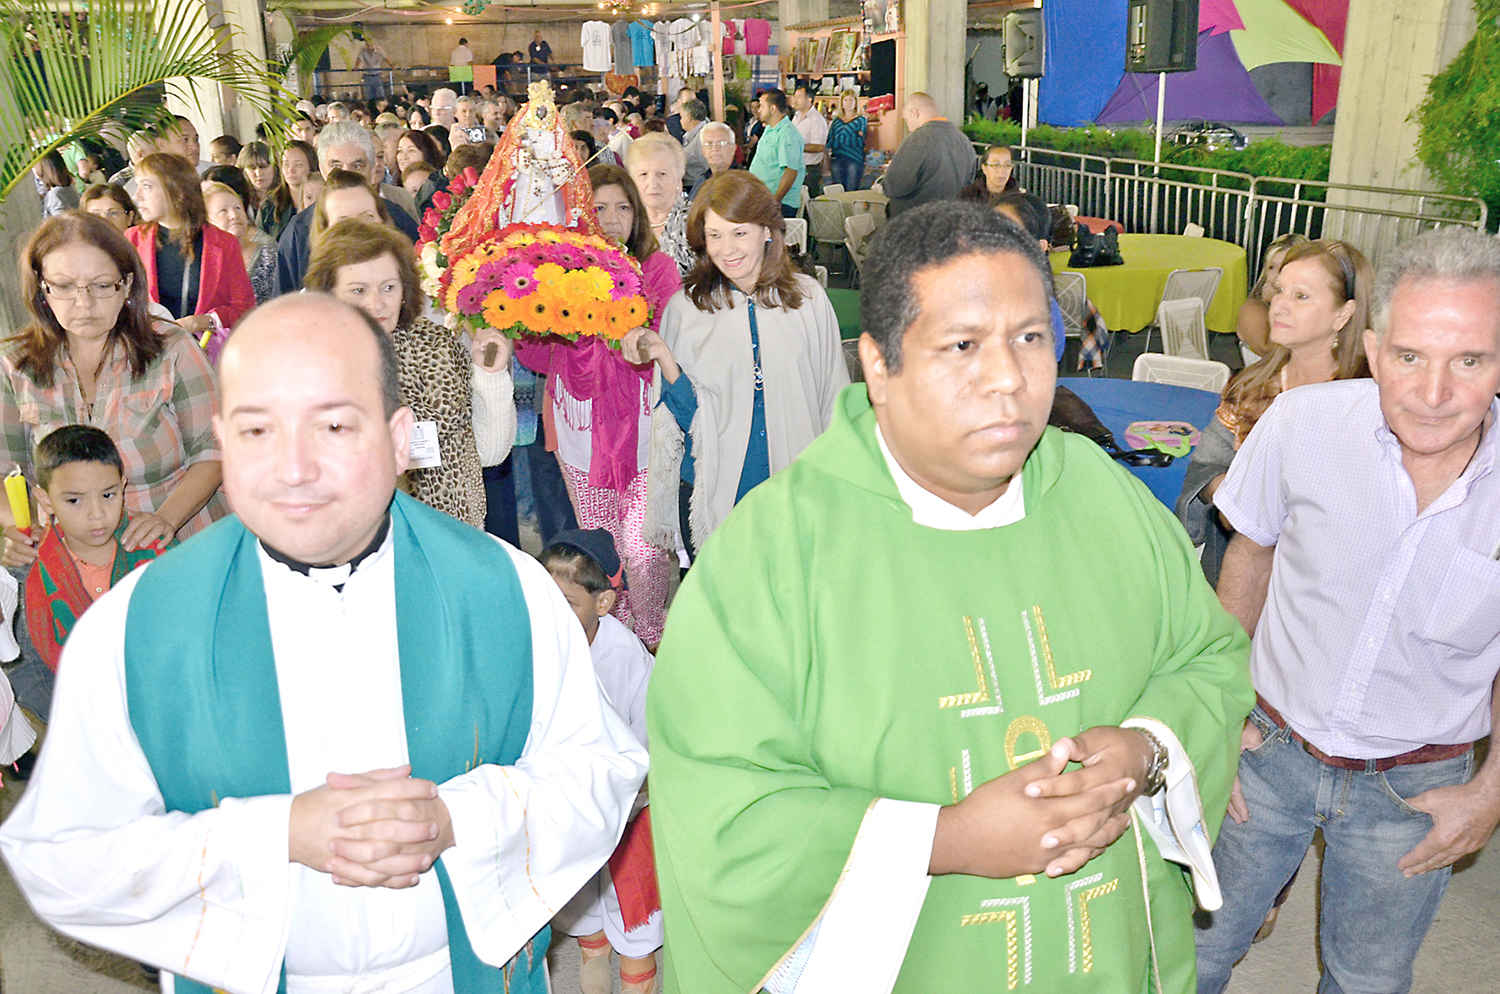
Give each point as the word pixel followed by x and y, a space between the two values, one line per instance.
pixel 205 704
pixel 825 651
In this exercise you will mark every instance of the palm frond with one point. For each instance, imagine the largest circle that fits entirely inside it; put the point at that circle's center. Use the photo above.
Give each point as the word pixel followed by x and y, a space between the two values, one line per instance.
pixel 310 46
pixel 72 68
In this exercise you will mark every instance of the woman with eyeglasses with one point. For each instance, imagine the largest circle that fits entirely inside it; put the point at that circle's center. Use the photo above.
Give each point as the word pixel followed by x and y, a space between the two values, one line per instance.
pixel 111 202
pixel 93 355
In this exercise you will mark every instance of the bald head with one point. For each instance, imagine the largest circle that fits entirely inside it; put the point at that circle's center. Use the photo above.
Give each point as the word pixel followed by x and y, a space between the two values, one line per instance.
pixel 310 453
pixel 306 306
pixel 920 108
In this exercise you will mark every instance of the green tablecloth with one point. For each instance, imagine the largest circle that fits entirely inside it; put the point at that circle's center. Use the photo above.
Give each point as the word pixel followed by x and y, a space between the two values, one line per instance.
pixel 846 306
pixel 1127 295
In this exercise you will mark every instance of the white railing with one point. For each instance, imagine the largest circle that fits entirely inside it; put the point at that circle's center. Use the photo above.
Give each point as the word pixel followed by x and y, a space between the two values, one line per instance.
pixel 1250 211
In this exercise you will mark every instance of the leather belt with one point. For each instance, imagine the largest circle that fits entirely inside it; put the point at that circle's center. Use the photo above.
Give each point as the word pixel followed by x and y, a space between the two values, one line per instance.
pixel 1422 754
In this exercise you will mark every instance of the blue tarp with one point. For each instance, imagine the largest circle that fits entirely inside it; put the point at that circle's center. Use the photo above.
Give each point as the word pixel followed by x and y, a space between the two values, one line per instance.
pixel 1085 59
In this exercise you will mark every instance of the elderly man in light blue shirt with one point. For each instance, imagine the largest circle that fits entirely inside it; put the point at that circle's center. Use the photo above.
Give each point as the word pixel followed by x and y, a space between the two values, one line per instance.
pixel 1367 567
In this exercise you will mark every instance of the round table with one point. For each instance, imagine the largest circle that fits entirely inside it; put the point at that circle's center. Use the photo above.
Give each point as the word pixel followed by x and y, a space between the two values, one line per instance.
pixel 1127 295
pixel 1118 403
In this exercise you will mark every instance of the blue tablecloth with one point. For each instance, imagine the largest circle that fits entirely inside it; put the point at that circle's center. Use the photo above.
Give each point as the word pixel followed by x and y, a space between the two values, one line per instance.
pixel 1118 403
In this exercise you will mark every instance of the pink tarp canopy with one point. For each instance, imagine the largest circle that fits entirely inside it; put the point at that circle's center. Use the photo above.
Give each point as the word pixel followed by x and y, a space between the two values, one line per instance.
pixel 1219 89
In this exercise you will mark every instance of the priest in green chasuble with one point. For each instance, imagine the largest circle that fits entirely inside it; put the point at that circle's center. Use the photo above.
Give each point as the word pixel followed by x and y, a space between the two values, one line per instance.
pixel 946 705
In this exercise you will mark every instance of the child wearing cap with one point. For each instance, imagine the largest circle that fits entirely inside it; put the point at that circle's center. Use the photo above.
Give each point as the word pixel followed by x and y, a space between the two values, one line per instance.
pixel 620 908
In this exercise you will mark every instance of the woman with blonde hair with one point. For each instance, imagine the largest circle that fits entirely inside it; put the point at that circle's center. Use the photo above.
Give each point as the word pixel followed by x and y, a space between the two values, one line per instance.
pixel 444 380
pixel 749 357
pixel 846 142
pixel 1319 311
pixel 1253 324
pixel 227 212
pixel 193 269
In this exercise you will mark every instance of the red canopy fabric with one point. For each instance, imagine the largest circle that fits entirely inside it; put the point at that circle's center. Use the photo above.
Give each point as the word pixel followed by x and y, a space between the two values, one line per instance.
pixel 1329 17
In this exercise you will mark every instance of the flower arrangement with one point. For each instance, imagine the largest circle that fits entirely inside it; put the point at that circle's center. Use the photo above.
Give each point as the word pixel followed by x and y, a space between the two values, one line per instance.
pixel 542 279
pixel 531 279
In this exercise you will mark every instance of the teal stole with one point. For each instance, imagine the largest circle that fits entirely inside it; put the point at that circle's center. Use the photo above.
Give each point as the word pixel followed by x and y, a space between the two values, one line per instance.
pixel 204 702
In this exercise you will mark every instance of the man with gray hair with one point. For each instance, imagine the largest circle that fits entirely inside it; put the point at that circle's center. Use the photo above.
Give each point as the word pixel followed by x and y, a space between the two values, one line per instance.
pixel 444 104
pixel 717 141
pixel 694 117
pixel 345 145
pixel 1366 563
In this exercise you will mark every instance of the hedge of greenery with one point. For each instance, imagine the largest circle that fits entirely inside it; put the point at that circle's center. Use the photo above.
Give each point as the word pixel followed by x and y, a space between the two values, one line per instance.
pixel 1266 157
pixel 1459 124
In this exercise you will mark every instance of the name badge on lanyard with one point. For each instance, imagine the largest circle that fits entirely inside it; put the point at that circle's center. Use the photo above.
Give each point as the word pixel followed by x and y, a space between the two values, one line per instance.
pixel 424 446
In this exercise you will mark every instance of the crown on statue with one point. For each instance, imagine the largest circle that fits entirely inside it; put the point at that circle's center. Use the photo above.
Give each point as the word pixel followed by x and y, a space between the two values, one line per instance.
pixel 539 107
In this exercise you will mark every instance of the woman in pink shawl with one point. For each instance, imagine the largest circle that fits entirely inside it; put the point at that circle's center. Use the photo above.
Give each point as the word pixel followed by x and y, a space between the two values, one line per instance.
pixel 601 409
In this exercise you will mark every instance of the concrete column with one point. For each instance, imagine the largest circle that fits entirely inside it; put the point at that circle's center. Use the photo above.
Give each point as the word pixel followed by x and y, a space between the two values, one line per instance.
pixel 1391 48
pixel 216 110
pixel 935 33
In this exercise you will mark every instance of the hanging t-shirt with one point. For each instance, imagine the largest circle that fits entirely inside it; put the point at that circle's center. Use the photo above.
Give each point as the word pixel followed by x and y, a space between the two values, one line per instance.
pixel 661 35
pixel 595 37
pixel 642 45
pixel 757 36
pixel 619 37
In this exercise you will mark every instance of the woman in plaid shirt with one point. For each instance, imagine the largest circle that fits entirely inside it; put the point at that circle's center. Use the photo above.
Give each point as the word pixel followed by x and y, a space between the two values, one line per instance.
pixel 93 355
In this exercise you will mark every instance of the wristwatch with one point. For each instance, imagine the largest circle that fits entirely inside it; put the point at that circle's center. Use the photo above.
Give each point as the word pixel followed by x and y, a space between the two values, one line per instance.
pixel 1156 770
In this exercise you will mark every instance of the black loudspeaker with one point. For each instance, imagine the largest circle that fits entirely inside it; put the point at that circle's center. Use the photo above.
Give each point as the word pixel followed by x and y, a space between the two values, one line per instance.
pixel 1025 44
pixel 882 68
pixel 1161 36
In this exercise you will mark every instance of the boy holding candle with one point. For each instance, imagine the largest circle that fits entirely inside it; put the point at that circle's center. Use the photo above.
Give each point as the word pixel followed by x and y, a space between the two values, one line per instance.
pixel 80 486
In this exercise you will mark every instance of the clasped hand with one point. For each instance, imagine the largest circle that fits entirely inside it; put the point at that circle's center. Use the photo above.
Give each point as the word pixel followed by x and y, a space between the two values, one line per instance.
pixel 1041 818
pixel 377 829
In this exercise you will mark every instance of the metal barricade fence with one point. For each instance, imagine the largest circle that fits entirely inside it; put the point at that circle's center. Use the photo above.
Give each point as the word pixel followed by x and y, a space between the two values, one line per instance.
pixel 1249 211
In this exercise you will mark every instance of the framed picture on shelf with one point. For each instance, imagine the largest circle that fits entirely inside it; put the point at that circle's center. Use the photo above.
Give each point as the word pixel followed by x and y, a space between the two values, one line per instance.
pixel 807 50
pixel 844 45
pixel 820 56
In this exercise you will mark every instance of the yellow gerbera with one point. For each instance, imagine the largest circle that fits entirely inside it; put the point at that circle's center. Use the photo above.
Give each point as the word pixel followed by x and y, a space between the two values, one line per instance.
pixel 550 278
pixel 586 284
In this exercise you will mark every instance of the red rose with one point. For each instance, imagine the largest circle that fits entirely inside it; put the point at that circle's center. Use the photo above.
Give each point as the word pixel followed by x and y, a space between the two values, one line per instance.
pixel 457 186
pixel 441 200
pixel 432 217
pixel 470 176
pixel 427 233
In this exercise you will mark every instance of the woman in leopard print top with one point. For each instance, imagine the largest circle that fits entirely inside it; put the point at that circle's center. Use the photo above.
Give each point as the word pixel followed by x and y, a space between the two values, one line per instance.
pixel 443 380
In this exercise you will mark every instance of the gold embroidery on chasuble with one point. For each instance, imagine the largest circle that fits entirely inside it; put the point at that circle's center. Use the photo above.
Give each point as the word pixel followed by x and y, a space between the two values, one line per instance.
pixel 1017 948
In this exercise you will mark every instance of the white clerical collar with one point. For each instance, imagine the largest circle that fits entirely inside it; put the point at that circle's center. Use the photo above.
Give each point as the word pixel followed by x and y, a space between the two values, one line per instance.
pixel 335 576
pixel 928 509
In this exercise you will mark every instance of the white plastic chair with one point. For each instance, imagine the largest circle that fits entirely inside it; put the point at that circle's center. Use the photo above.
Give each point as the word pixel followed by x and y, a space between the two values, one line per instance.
pixel 1184 283
pixel 857 232
pixel 796 233
pixel 1250 357
pixel 821 272
pixel 1193 230
pixel 1199 374
pixel 1183 333
pixel 1072 298
pixel 803 198
pixel 825 218
pixel 832 188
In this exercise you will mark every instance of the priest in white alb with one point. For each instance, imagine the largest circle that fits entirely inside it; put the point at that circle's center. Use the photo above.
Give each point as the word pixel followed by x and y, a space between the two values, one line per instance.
pixel 337 742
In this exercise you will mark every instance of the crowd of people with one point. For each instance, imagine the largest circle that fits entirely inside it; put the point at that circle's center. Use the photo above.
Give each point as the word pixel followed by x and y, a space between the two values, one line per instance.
pixel 884 709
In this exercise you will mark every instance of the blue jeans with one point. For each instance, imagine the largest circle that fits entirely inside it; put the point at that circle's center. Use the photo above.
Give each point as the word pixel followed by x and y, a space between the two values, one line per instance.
pixel 1373 919
pixel 847 173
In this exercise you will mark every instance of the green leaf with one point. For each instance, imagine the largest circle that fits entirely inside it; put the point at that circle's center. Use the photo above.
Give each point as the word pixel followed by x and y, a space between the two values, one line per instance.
pixel 74 68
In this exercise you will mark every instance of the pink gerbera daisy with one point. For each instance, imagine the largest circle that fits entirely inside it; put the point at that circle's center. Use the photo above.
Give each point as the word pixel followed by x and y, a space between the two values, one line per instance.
pixel 517 280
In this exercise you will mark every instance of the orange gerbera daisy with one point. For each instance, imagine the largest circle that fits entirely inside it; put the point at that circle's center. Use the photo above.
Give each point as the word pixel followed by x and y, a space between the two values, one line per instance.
pixel 539 313
pixel 615 325
pixel 635 311
pixel 501 312
pixel 591 318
